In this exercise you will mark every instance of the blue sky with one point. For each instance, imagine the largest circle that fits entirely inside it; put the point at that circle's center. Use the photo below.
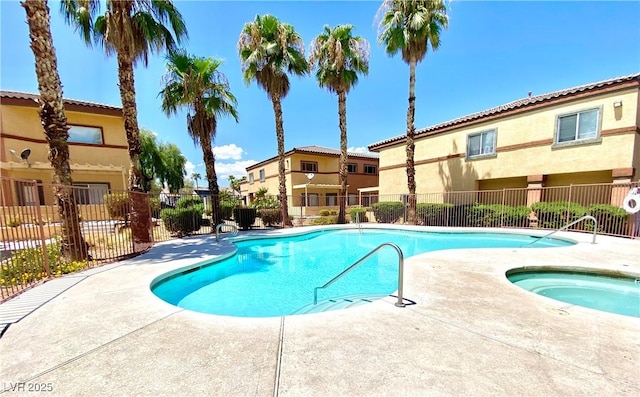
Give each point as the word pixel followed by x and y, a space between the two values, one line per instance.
pixel 492 53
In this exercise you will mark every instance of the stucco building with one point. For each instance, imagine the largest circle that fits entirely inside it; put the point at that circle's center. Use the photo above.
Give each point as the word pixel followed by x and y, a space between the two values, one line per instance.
pixel 322 165
pixel 97 149
pixel 582 135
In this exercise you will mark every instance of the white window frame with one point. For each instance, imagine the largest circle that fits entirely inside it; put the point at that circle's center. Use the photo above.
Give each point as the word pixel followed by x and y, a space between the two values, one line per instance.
pixel 262 175
pixel 251 178
pixel 483 144
pixel 355 168
pixel 576 139
pixel 94 194
pixel 76 131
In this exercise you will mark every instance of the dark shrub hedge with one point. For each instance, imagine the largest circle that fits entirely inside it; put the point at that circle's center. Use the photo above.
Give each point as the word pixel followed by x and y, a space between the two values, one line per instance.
pixel 270 216
pixel 496 215
pixel 245 217
pixel 611 219
pixel 358 213
pixel 555 214
pixel 430 214
pixel 388 211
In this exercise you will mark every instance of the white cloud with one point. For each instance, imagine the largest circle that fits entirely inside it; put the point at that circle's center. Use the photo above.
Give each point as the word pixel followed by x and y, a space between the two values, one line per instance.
pixel 189 167
pixel 237 169
pixel 361 150
pixel 228 152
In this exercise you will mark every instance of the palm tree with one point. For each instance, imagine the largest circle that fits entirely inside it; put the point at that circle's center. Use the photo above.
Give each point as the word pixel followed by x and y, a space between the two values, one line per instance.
pixel 410 27
pixel 54 121
pixel 130 29
pixel 339 57
pixel 269 49
pixel 196 177
pixel 197 84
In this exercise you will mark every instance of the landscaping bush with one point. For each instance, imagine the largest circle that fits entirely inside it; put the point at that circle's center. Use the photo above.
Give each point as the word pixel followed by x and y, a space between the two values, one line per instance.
pixel 186 218
pixel 496 215
pixel 264 201
pixel 117 205
pixel 458 214
pixel 325 220
pixel 227 203
pixel 358 213
pixel 14 222
pixel 553 215
pixel 245 217
pixel 430 214
pixel 270 216
pixel 611 219
pixel 27 265
pixel 325 212
pixel 387 211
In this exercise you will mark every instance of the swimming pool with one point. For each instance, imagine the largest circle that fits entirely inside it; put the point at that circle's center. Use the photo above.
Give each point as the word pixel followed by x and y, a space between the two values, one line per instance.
pixel 595 290
pixel 276 276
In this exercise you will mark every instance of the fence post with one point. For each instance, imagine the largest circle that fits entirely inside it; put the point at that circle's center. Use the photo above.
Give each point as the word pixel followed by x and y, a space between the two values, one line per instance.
pixel 568 204
pixel 502 208
pixel 45 256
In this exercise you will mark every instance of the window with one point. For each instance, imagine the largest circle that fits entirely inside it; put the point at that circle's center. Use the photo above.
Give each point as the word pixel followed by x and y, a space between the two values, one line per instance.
pixel 481 144
pixel 309 166
pixel 331 199
pixel 577 126
pixel 27 193
pixel 92 193
pixel 84 134
pixel 251 178
pixel 370 169
pixel 352 168
pixel 262 175
pixel 352 199
pixel 313 200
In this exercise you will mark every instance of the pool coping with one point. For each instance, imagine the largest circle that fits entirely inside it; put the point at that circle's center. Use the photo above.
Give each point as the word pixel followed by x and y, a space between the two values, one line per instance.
pixel 282 351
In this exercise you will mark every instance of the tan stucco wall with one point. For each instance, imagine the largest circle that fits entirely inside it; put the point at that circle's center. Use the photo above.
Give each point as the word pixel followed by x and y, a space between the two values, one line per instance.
pixel 106 163
pixel 327 173
pixel 459 173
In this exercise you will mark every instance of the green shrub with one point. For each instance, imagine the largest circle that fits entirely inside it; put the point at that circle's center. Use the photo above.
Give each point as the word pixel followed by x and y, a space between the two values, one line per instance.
pixel 186 218
pixel 245 217
pixel 14 222
pixel 226 209
pixel 117 205
pixel 270 216
pixel 154 203
pixel 358 213
pixel 611 219
pixel 325 212
pixel 189 201
pixel 556 214
pixel 325 220
pixel 432 214
pixel 333 212
pixel 264 201
pixel 496 215
pixel 388 211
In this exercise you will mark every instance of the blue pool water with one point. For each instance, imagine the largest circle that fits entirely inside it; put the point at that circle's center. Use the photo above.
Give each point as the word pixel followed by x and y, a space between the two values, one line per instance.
pixel 619 295
pixel 276 276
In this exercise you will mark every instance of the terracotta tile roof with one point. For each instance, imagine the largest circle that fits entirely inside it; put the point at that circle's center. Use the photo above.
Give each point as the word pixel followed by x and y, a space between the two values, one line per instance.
pixel 32 97
pixel 511 106
pixel 326 150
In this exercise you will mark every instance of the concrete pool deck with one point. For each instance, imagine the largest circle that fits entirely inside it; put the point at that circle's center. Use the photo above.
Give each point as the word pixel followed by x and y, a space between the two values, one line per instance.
pixel 471 332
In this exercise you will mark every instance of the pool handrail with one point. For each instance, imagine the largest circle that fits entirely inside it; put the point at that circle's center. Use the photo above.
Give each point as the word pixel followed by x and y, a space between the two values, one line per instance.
pixel 595 229
pixel 400 302
pixel 220 225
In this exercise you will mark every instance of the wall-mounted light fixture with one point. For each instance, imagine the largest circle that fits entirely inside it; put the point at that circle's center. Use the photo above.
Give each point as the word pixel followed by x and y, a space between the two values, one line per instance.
pixel 617 104
pixel 24 155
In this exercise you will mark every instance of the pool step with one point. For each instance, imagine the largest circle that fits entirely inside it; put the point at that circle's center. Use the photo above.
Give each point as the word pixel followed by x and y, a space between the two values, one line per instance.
pixel 337 303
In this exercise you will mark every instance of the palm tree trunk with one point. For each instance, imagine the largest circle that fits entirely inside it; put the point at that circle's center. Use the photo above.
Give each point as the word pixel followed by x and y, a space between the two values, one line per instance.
pixel 212 178
pixel 140 215
pixel 411 131
pixel 282 181
pixel 54 121
pixel 342 115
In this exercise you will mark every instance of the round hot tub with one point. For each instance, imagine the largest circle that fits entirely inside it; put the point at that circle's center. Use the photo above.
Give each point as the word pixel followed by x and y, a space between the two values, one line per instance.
pixel 600 290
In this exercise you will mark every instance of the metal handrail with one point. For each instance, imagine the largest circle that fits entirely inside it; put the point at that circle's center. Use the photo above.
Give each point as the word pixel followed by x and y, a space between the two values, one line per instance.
pixel 399 303
pixel 358 222
pixel 595 229
pixel 220 225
